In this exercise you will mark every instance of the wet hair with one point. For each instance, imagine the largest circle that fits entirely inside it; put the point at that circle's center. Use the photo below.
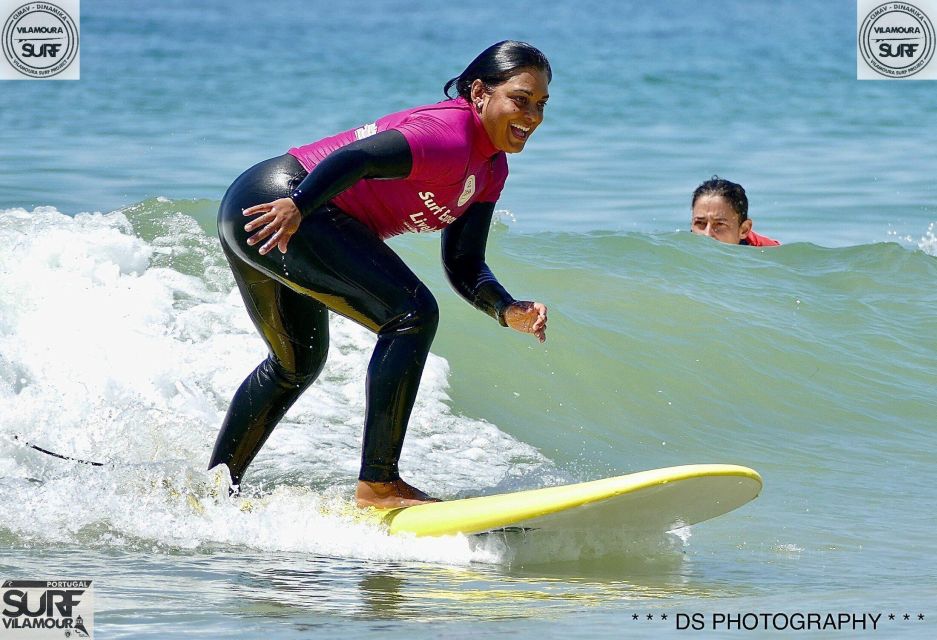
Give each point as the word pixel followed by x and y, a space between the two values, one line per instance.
pixel 731 191
pixel 497 64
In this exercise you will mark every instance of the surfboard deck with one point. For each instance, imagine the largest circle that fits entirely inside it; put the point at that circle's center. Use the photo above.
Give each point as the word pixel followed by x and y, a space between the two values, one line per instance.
pixel 643 503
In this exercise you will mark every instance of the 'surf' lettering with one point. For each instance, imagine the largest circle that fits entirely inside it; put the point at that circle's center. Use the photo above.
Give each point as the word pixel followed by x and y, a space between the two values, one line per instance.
pixel 437 209
pixel 64 601
pixel 905 49
pixel 45 51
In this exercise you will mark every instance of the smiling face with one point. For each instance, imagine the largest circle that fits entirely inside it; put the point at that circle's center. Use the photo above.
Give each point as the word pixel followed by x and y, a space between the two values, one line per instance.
pixel 512 110
pixel 713 216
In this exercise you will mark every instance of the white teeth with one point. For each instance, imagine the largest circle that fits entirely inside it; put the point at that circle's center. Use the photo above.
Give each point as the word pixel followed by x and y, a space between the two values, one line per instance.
pixel 524 129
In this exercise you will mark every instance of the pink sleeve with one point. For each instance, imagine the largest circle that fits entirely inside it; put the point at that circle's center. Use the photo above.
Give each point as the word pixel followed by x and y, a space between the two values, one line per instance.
pixel 499 174
pixel 440 152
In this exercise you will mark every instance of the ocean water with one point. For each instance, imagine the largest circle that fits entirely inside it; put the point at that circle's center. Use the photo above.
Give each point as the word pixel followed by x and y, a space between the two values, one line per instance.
pixel 122 337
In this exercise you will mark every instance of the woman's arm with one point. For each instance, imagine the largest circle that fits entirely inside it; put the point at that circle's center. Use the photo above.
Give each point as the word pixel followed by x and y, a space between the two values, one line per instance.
pixel 463 257
pixel 385 155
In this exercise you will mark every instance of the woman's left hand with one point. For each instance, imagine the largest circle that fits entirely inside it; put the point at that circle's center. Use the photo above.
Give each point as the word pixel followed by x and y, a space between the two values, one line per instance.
pixel 528 317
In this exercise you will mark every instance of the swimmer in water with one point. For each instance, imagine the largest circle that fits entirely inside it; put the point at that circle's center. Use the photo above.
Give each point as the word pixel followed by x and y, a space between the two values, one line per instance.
pixel 304 234
pixel 720 211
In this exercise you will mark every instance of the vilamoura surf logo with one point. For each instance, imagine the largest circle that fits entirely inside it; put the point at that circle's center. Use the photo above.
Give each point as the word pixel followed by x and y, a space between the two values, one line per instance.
pixel 40 40
pixel 896 40
pixel 46 609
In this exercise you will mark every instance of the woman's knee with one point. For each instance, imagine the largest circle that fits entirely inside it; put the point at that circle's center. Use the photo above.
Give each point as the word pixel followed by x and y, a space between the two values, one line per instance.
pixel 300 367
pixel 420 315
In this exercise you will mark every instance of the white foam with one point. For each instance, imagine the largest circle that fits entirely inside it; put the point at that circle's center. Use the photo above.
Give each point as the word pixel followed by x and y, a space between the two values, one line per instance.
pixel 928 242
pixel 109 353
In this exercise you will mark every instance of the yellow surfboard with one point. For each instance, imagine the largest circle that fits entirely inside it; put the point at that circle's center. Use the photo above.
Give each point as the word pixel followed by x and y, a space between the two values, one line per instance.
pixel 640 503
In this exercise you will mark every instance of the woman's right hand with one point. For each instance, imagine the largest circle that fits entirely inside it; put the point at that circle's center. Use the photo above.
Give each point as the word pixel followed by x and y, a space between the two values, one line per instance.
pixel 528 317
pixel 279 221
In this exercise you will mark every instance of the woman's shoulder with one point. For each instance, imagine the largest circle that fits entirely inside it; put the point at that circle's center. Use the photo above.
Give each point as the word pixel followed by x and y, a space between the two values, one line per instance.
pixel 446 125
pixel 452 114
pixel 453 107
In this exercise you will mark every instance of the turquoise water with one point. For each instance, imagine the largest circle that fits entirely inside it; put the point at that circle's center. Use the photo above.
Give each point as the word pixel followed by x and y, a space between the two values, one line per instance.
pixel 121 338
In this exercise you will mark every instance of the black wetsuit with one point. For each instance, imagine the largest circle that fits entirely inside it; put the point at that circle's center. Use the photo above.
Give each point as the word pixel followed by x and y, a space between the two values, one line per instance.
pixel 336 262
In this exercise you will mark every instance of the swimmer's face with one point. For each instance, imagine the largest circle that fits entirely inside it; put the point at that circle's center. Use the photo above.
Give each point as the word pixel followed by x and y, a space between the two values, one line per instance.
pixel 713 216
pixel 513 109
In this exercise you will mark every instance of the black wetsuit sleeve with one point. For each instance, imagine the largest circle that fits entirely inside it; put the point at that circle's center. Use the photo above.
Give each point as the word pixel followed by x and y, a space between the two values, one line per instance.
pixel 463 257
pixel 385 155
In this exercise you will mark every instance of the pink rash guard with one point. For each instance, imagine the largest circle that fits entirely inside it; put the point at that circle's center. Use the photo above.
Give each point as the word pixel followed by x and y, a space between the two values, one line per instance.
pixel 755 240
pixel 454 165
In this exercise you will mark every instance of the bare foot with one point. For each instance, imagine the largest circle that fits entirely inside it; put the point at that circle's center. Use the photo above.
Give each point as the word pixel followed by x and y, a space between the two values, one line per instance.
pixel 389 495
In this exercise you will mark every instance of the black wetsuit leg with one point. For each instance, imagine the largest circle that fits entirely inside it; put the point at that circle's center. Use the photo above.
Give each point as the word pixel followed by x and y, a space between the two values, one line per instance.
pixel 335 262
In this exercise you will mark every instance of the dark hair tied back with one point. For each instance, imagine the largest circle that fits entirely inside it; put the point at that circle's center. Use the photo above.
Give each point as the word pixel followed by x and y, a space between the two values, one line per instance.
pixel 496 64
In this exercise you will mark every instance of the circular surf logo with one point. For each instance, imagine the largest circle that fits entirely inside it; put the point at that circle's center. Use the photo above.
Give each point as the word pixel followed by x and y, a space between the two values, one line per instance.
pixel 897 39
pixel 468 190
pixel 40 39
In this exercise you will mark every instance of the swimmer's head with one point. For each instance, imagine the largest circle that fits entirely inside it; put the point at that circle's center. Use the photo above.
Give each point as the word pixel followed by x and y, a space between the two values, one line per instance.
pixel 507 84
pixel 720 211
